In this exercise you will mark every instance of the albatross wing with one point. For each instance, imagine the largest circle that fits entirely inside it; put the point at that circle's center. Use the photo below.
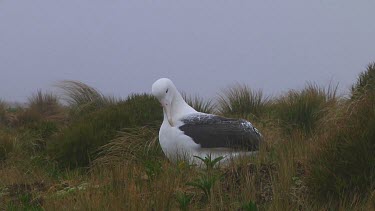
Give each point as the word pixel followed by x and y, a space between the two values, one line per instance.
pixel 212 131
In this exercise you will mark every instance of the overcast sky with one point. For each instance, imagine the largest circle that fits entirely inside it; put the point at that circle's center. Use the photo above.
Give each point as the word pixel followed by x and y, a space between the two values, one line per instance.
pixel 120 47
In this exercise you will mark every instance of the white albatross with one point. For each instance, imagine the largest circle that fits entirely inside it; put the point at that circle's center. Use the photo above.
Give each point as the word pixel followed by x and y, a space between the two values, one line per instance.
pixel 186 133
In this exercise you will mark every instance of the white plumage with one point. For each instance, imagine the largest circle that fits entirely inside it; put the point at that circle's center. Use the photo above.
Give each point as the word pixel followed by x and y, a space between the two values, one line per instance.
pixel 185 132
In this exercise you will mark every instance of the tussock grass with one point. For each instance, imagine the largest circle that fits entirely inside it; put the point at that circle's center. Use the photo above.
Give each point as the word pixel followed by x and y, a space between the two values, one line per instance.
pixel 241 101
pixel 365 82
pixel 6 144
pixel 42 107
pixel 303 109
pixel 342 167
pixel 132 145
pixel 77 144
pixel 83 98
pixel 3 107
pixel 200 104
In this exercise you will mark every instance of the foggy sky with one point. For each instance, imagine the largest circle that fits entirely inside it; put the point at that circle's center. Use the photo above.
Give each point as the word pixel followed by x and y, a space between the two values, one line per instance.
pixel 121 47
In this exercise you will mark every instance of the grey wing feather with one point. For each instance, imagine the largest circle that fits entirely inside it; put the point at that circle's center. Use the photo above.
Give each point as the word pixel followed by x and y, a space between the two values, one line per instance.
pixel 212 131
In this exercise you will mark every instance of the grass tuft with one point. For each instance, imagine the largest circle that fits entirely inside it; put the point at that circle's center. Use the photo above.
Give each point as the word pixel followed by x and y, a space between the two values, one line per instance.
pixel 365 82
pixel 42 107
pixel 199 104
pixel 83 98
pixel 303 109
pixel 78 144
pixel 132 145
pixel 241 101
pixel 3 108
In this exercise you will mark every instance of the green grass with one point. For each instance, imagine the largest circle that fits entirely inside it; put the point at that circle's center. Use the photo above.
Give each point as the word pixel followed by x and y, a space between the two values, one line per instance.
pixel 78 143
pixel 83 98
pixel 241 101
pixel 3 108
pixel 200 104
pixel 365 82
pixel 41 107
pixel 303 109
pixel 343 164
pixel 6 144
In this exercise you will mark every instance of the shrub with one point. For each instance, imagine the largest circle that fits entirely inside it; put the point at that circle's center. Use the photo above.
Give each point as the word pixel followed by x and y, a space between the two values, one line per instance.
pixel 78 143
pixel 302 109
pixel 343 166
pixel 241 101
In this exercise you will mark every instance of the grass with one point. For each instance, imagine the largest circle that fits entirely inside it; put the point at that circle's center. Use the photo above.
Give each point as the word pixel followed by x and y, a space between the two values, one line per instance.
pixel 6 144
pixel 365 81
pixel 241 101
pixel 318 153
pixel 343 164
pixel 200 104
pixel 41 107
pixel 3 108
pixel 83 98
pixel 303 109
pixel 77 144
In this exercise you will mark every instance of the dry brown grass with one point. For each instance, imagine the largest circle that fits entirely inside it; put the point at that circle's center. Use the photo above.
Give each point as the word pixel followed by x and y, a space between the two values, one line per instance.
pixel 131 145
pixel 115 183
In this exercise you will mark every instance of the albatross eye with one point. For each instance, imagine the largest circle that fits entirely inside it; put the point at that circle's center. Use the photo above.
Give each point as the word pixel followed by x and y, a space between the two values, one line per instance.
pixel 166 91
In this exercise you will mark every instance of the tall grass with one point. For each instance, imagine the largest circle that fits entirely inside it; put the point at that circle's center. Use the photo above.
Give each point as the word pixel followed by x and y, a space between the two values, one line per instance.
pixel 83 98
pixel 42 107
pixel 6 144
pixel 3 107
pixel 199 104
pixel 77 145
pixel 132 145
pixel 365 81
pixel 303 109
pixel 241 101
pixel 342 166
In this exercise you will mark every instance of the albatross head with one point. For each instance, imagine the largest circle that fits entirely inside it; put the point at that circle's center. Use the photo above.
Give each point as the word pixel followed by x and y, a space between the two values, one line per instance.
pixel 165 91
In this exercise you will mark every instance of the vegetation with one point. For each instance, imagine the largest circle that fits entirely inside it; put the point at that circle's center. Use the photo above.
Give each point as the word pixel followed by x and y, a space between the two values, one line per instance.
pixel 302 109
pixel 199 104
pixel 241 101
pixel 365 82
pixel 94 152
pixel 343 166
pixel 3 108
pixel 78 143
pixel 83 98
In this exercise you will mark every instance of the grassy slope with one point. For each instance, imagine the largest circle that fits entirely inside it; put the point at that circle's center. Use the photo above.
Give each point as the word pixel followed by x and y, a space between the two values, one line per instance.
pixel 318 154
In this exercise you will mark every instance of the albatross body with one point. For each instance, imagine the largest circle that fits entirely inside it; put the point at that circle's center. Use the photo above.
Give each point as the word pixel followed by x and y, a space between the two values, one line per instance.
pixel 186 133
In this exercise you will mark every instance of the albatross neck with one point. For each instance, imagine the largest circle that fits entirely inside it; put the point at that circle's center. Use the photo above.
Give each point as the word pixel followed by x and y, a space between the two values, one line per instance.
pixel 180 108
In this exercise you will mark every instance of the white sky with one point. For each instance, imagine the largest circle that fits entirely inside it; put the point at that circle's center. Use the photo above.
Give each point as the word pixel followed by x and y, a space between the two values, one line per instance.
pixel 121 47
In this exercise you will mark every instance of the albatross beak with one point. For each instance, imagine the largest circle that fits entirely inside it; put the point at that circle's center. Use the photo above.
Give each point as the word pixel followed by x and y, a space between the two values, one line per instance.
pixel 169 116
pixel 167 111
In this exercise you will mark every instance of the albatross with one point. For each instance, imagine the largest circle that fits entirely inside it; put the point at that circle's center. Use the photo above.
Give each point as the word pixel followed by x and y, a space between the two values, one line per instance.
pixel 186 133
